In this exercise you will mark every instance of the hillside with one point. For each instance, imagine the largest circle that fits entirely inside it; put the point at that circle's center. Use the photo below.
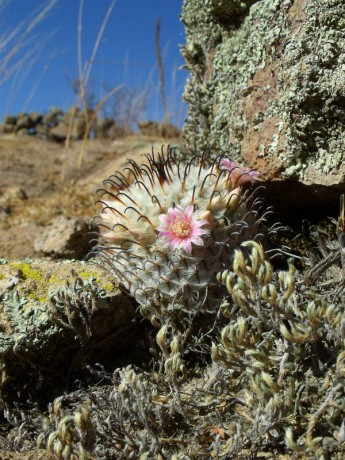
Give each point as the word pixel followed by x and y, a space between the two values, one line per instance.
pixel 41 180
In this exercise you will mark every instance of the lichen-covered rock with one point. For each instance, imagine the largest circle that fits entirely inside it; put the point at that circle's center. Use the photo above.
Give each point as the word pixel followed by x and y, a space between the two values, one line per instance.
pixel 52 316
pixel 267 86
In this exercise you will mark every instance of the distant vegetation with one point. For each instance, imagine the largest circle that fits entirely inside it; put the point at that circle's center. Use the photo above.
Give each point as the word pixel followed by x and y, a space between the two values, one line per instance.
pixel 125 104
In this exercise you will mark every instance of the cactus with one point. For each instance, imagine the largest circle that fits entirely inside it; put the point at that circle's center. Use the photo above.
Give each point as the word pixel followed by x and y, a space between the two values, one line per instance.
pixel 169 226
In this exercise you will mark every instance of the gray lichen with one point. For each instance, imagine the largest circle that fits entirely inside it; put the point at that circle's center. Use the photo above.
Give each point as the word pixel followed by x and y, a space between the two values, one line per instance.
pixel 230 11
pixel 270 88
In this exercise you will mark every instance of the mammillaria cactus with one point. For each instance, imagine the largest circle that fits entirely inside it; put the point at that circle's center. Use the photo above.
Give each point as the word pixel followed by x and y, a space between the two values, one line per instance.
pixel 169 226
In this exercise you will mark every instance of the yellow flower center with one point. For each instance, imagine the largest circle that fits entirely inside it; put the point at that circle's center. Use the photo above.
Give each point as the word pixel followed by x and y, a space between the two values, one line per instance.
pixel 180 228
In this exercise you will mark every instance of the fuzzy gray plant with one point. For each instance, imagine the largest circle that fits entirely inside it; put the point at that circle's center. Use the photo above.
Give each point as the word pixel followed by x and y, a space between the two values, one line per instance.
pixel 274 387
pixel 283 355
pixel 268 381
pixel 271 385
pixel 71 436
pixel 128 420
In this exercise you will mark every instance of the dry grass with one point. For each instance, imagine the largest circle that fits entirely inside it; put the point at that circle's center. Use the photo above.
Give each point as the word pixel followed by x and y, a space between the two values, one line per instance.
pixel 17 48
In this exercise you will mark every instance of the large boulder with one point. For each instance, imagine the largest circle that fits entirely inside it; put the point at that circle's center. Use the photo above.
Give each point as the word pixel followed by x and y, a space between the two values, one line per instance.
pixel 267 85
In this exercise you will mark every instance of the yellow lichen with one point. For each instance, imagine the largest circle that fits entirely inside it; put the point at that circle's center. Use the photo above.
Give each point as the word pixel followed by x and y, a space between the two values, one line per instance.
pixel 41 297
pixel 107 286
pixel 27 271
pixel 35 282
pixel 104 284
pixel 87 275
pixel 54 279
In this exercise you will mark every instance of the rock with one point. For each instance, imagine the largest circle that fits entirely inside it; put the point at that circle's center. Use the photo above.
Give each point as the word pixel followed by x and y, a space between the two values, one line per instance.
pixel 7 284
pixel 65 238
pixel 18 243
pixel 57 133
pixel 21 193
pixel 82 122
pixel 267 86
pixel 80 127
pixel 148 128
pixel 103 127
pixel 154 128
pixel 116 132
pixel 22 132
pixel 8 128
pixel 10 120
pixel 53 117
pixel 73 124
pixel 36 117
pixel 41 131
pixel 12 192
pixel 170 131
pixel 76 124
pixel 49 312
pixel 5 211
pixel 24 122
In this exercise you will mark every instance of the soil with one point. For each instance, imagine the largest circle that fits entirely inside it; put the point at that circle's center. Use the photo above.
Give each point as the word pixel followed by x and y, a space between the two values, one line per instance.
pixel 40 180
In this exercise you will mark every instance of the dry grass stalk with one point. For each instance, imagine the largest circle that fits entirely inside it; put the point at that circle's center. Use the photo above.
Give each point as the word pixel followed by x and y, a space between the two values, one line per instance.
pixel 83 81
pixel 161 71
pixel 17 40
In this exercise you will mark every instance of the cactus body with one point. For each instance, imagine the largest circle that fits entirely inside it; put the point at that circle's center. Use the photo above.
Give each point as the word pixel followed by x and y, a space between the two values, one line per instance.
pixel 169 226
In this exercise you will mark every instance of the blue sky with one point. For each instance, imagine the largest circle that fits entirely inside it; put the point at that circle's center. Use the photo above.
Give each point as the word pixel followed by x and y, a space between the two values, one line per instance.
pixel 126 54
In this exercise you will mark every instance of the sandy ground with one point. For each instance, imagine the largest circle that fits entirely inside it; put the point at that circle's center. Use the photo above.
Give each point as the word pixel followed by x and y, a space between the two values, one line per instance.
pixel 40 180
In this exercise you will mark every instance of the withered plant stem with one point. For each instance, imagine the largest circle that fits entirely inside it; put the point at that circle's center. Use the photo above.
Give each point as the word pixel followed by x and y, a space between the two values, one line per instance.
pixel 161 70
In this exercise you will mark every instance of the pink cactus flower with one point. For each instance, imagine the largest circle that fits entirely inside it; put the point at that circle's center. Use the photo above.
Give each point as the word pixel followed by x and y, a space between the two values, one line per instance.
pixel 180 228
pixel 239 175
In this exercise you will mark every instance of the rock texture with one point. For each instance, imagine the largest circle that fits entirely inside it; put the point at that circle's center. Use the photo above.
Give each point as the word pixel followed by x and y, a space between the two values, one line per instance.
pixel 267 85
pixel 68 238
pixel 55 316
